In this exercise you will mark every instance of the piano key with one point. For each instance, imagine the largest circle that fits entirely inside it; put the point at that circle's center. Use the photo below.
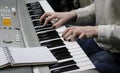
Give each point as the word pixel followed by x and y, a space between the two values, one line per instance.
pixel 48 38
pixel 53 43
pixel 36 17
pixel 34 7
pixel 44 36
pixel 45 31
pixel 86 67
pixel 63 56
pixel 60 29
pixel 47 26
pixel 44 28
pixel 76 50
pixel 33 4
pixel 71 43
pixel 73 67
pixel 76 59
pixel 48 34
pixel 71 62
pixel 61 53
pixel 76 53
pixel 36 12
pixel 59 50
pixel 78 56
pixel 84 59
pixel 37 23
pixel 85 63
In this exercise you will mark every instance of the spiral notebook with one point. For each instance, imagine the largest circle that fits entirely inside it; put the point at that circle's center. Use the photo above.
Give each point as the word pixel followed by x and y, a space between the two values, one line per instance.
pixel 25 56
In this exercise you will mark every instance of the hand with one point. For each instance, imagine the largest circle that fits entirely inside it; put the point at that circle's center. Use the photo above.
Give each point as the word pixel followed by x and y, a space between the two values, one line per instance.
pixel 81 32
pixel 61 16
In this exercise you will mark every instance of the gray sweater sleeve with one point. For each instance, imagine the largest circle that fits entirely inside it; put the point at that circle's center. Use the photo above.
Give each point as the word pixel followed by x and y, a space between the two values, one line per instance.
pixel 109 34
pixel 86 15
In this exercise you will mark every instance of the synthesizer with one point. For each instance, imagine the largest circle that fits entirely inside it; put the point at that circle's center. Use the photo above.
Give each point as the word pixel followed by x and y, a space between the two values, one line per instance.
pixel 20 28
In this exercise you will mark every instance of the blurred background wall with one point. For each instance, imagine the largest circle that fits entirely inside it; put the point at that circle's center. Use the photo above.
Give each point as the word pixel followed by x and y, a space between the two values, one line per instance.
pixel 67 5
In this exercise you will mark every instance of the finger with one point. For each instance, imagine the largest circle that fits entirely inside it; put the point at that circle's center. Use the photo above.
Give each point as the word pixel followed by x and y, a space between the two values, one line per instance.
pixel 65 31
pixel 48 19
pixel 82 35
pixel 68 34
pixel 72 37
pixel 44 16
pixel 58 23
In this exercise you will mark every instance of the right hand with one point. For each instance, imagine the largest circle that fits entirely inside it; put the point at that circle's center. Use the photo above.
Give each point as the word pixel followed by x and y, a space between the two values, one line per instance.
pixel 61 16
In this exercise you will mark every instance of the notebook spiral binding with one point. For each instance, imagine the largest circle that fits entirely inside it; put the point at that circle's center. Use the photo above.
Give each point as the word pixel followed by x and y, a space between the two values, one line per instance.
pixel 8 55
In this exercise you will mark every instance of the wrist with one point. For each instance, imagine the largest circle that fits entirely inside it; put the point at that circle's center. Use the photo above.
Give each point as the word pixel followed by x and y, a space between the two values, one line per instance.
pixel 72 14
pixel 96 31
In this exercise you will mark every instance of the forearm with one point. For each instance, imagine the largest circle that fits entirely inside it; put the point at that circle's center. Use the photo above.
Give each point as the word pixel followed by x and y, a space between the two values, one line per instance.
pixel 86 15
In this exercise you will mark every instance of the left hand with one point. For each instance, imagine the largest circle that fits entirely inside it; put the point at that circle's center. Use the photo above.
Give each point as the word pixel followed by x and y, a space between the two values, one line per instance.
pixel 82 32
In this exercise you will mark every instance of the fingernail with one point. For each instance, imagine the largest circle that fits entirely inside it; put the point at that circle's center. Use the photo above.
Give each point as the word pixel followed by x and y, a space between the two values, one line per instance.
pixel 69 40
pixel 64 39
pixel 54 27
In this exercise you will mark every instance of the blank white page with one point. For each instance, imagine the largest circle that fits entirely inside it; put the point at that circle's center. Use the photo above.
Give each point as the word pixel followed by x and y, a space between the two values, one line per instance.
pixel 32 55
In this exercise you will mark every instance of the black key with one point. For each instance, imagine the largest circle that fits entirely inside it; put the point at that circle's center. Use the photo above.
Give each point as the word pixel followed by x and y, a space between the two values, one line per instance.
pixel 33 4
pixel 48 34
pixel 69 68
pixel 51 34
pixel 71 62
pixel 47 38
pixel 54 43
pixel 59 51
pixel 42 35
pixel 34 7
pixel 37 23
pixel 44 28
pixel 56 71
pixel 36 17
pixel 36 12
pixel 63 56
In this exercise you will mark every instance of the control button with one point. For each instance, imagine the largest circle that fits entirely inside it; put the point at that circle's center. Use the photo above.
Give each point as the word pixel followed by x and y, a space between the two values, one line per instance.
pixel 6 21
pixel 17 38
pixel 13 11
pixel 17 35
pixel 17 28
pixel 10 28
pixel 7 41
